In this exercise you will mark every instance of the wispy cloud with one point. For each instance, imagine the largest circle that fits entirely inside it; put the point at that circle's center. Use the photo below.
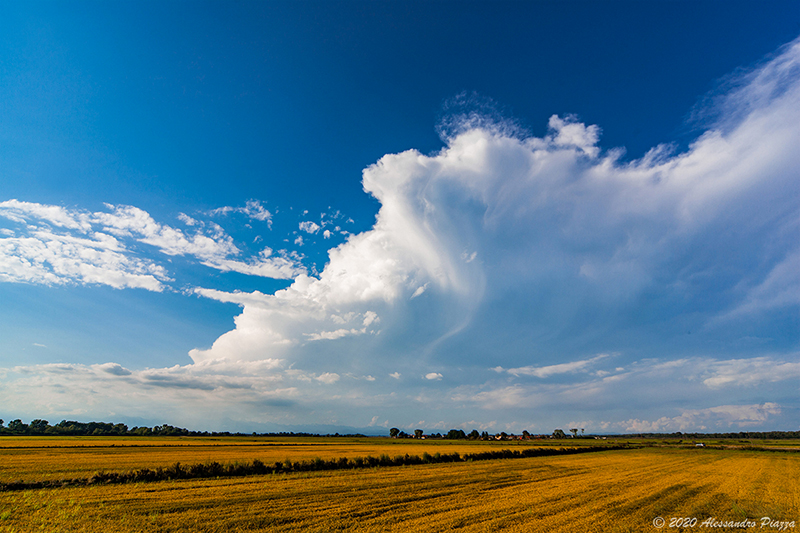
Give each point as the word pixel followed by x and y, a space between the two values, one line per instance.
pixel 253 209
pixel 563 368
pixel 749 372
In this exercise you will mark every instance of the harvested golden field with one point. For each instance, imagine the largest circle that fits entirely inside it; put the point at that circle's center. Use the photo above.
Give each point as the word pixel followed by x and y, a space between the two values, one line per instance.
pixel 47 458
pixel 620 490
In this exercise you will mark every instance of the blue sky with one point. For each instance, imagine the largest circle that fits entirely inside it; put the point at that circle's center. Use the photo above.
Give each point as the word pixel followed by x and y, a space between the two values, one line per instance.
pixel 492 215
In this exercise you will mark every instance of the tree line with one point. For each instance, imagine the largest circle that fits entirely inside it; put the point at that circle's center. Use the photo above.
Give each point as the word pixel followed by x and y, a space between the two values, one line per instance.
pixel 108 429
pixel 459 434
pixel 40 427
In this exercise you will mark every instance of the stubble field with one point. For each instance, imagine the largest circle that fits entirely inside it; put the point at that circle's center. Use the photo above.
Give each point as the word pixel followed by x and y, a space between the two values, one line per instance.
pixel 615 490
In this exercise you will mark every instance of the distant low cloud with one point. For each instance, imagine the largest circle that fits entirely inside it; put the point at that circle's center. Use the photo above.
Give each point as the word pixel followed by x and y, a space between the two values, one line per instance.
pixel 732 417
pixel 114 368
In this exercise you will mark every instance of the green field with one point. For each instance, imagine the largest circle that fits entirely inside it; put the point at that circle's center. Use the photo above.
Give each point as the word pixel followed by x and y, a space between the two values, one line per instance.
pixel 616 490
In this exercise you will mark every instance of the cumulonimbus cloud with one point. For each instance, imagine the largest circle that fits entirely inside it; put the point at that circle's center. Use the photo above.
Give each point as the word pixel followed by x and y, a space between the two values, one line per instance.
pixel 556 223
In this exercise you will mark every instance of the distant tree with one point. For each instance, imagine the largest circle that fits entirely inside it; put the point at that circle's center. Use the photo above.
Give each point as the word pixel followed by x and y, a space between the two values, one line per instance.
pixel 485 435
pixel 17 426
pixel 583 432
pixel 526 434
pixel 574 432
pixel 456 434
pixel 1 422
pixel 39 426
pixel 559 434
pixel 417 433
pixel 474 435
pixel 394 432
pixel 503 435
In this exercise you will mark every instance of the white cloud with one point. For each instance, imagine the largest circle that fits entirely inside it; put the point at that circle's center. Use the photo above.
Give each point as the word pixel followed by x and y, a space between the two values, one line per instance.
pixel 253 209
pixel 569 132
pixel 433 376
pixel 265 265
pixel 309 227
pixel 51 259
pixel 186 219
pixel 129 221
pixel 74 246
pixel 395 375
pixel 113 368
pixel 420 290
pixel 563 368
pixel 58 216
pixel 370 317
pixel 328 377
pixel 330 335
